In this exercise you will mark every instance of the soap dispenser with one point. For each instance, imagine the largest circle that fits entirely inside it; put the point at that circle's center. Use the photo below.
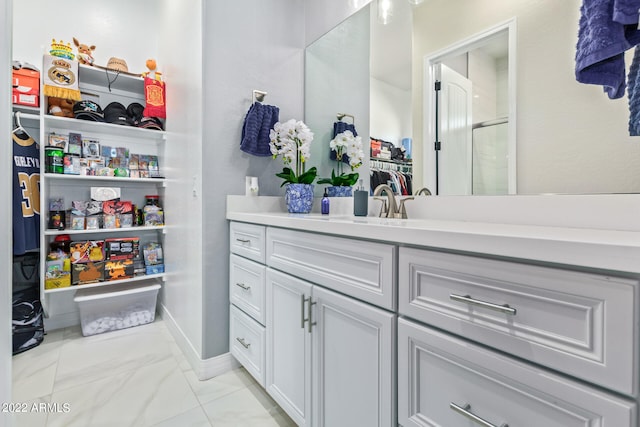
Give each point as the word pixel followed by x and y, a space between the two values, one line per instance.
pixel 325 203
pixel 360 200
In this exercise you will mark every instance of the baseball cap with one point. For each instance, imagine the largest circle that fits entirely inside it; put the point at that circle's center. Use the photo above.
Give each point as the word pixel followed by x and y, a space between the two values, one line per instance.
pixel 151 123
pixel 116 113
pixel 88 110
pixel 134 111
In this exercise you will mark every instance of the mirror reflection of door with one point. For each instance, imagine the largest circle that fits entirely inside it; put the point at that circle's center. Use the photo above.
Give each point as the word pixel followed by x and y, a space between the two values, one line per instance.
pixel 454 156
pixel 473 109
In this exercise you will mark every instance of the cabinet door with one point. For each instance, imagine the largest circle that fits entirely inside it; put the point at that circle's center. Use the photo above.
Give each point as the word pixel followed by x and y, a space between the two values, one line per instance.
pixel 288 371
pixel 353 362
pixel 444 381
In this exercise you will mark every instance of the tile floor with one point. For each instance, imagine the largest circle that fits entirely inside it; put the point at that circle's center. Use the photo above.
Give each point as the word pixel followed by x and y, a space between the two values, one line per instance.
pixel 133 377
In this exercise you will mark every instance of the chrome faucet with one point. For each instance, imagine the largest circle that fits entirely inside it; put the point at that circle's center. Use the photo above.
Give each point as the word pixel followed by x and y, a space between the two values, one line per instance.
pixel 425 191
pixel 389 208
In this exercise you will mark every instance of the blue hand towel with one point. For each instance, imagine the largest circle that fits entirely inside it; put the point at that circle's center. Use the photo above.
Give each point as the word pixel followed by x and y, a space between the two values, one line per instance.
pixel 602 42
pixel 634 94
pixel 259 120
pixel 338 128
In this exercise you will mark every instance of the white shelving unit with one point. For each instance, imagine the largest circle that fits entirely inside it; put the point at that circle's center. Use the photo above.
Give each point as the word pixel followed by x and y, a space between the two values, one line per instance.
pixel 102 87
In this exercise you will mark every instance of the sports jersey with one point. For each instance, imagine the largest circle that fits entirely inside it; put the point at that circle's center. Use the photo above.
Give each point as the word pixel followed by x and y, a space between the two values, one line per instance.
pixel 26 193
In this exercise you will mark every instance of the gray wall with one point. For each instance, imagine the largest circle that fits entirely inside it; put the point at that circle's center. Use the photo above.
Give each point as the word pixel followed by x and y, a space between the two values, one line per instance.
pixel 249 44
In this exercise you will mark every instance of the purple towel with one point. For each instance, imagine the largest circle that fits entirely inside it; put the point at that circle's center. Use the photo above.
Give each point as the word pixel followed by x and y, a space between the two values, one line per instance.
pixel 602 42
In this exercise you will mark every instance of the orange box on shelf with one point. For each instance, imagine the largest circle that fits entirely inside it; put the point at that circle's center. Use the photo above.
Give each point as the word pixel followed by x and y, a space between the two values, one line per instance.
pixel 26 81
pixel 28 99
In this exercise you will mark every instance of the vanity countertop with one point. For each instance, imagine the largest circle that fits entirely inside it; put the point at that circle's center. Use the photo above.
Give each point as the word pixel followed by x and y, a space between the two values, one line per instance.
pixel 595 248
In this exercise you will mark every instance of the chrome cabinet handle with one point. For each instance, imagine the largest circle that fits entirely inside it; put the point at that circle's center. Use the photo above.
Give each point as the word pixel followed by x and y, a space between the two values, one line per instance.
pixel 309 305
pixel 243 286
pixel 465 411
pixel 302 319
pixel 243 342
pixel 243 240
pixel 496 307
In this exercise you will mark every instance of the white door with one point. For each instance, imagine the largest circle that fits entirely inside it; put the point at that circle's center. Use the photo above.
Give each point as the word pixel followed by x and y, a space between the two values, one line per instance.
pixel 455 157
pixel 288 349
pixel 353 363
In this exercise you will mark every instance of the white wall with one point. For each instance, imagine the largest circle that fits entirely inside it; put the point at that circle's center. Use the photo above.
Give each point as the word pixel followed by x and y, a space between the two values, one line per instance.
pixel 390 112
pixel 182 295
pixel 570 137
pixel 250 44
pixel 6 248
pixel 118 28
pixel 322 16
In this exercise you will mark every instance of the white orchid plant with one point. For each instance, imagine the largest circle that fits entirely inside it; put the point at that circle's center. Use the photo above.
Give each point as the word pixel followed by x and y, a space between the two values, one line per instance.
pixel 345 143
pixel 292 141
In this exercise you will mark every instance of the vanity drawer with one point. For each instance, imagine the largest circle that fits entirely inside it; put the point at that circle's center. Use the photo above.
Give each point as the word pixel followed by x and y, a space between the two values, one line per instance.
pixel 437 371
pixel 247 240
pixel 246 286
pixel 577 323
pixel 247 343
pixel 361 269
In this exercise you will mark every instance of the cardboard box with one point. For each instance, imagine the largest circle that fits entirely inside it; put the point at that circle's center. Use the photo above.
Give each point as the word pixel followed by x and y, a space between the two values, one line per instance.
pixel 62 280
pixel 155 269
pixel 87 251
pixel 122 248
pixel 27 99
pixel 117 270
pixel 90 272
pixel 26 80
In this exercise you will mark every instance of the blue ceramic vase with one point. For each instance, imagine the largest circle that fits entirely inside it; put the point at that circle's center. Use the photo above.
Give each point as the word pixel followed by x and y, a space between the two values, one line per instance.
pixel 299 198
pixel 339 191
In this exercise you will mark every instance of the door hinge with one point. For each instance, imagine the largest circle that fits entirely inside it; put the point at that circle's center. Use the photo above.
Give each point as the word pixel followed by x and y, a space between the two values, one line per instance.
pixel 437 85
pixel 437 146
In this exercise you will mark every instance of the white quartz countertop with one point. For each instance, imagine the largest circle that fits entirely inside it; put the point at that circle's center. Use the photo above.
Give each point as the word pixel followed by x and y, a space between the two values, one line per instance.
pixel 616 250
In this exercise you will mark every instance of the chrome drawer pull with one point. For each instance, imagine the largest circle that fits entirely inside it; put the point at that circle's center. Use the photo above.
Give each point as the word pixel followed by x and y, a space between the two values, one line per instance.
pixel 243 286
pixel 465 410
pixel 243 240
pixel 243 342
pixel 467 299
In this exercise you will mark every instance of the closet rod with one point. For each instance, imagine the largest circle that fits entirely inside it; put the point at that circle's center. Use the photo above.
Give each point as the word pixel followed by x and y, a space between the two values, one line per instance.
pixel 20 115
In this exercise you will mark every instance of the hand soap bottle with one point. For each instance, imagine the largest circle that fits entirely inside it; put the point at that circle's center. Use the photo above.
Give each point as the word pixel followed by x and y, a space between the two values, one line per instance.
pixel 360 200
pixel 325 203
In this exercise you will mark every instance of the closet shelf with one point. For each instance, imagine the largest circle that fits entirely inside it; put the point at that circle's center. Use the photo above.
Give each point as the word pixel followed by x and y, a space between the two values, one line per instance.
pixel 121 230
pixel 63 177
pixel 108 283
pixel 76 125
pixel 99 76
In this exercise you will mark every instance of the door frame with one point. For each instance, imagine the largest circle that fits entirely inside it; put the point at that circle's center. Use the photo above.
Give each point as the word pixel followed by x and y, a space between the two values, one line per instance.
pixel 429 99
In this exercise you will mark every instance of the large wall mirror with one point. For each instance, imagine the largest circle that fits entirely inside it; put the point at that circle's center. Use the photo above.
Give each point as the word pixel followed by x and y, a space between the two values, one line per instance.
pixel 567 137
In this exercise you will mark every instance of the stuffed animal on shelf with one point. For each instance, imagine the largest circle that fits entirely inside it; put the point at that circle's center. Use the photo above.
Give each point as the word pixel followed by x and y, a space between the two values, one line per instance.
pixel 153 73
pixel 60 107
pixel 84 52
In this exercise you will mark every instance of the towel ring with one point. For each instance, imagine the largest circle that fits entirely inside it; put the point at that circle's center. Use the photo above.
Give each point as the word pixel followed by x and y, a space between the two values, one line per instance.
pixel 258 95
pixel 341 116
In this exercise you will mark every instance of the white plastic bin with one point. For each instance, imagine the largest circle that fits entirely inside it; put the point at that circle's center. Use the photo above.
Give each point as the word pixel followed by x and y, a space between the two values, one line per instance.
pixel 109 310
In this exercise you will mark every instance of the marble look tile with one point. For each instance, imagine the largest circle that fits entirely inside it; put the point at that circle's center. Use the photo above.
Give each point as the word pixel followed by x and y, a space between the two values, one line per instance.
pixel 34 370
pixel 250 406
pixel 141 397
pixel 87 359
pixel 216 387
pixel 32 418
pixel 192 418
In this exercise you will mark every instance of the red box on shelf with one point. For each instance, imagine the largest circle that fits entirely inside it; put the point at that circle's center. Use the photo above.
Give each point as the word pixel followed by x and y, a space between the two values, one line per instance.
pixel 27 99
pixel 26 87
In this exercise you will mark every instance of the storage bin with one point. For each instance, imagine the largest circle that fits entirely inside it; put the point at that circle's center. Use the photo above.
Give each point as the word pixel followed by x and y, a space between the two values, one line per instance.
pixel 124 307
